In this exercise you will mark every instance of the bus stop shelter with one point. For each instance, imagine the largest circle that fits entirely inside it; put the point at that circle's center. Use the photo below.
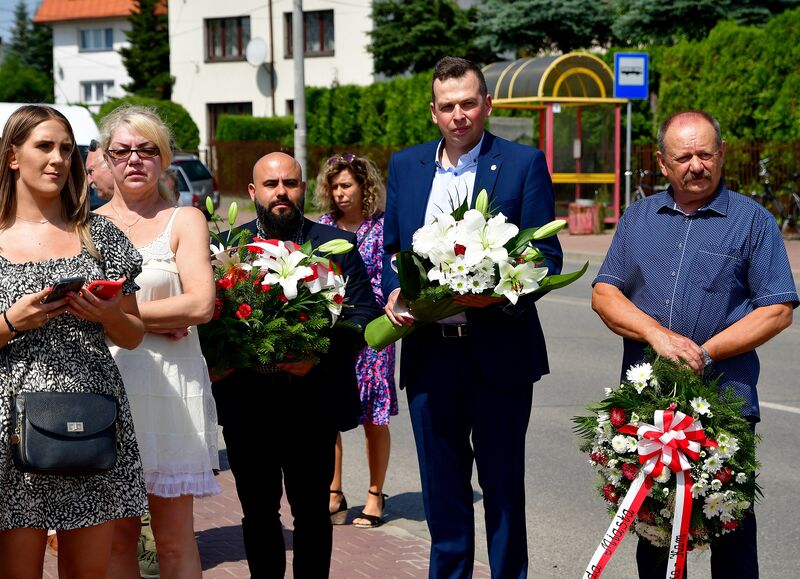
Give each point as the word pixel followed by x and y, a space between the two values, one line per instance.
pixel 578 124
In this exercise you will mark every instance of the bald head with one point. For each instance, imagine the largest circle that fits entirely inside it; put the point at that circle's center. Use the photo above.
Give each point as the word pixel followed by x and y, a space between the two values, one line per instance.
pixel 99 173
pixel 278 191
pixel 277 159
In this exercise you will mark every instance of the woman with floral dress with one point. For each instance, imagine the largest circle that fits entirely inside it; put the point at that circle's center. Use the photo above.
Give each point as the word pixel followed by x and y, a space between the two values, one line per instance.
pixel 47 233
pixel 351 190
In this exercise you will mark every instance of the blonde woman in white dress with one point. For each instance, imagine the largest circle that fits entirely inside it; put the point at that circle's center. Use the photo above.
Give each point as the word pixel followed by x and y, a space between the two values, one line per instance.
pixel 166 376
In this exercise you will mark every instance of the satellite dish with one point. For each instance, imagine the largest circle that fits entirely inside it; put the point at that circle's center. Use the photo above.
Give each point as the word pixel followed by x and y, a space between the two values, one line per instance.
pixel 256 51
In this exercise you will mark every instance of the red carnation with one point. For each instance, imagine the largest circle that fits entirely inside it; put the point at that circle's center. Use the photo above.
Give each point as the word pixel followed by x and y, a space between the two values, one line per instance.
pixel 303 317
pixel 224 283
pixel 598 457
pixel 244 312
pixel 646 515
pixel 617 417
pixel 730 525
pixel 282 298
pixel 459 249
pixel 217 309
pixel 254 249
pixel 266 288
pixel 629 470
pixel 611 494
pixel 724 475
pixel 338 299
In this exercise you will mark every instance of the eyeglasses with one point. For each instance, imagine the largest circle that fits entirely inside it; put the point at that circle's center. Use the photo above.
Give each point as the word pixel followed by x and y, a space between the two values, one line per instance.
pixel 347 158
pixel 125 154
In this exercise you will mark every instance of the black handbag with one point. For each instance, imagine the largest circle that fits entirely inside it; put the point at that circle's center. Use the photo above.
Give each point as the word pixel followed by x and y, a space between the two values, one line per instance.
pixel 64 433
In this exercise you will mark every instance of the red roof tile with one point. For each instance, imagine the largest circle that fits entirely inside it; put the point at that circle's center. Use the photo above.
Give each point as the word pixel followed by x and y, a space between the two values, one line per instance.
pixel 63 10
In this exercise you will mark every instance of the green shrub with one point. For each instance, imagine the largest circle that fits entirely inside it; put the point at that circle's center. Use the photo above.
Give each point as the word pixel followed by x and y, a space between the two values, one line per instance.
pixel 246 128
pixel 177 118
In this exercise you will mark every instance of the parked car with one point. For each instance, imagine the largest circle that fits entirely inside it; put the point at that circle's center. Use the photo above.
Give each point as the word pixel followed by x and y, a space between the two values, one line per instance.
pixel 194 182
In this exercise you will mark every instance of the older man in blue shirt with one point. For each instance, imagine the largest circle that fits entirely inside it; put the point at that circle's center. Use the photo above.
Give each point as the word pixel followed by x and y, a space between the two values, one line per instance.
pixel 700 274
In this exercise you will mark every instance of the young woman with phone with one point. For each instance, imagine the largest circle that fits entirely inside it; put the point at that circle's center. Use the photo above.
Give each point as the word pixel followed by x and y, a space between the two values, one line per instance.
pixel 47 234
pixel 166 376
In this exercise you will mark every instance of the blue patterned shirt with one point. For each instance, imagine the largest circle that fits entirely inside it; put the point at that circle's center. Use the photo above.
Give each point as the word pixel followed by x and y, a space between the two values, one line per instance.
pixel 698 274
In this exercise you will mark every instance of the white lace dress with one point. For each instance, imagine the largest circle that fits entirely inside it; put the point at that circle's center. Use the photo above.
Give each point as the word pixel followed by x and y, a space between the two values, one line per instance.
pixel 167 382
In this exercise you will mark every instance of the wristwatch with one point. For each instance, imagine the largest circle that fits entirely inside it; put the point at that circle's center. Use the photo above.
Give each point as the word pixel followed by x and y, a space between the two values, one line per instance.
pixel 706 358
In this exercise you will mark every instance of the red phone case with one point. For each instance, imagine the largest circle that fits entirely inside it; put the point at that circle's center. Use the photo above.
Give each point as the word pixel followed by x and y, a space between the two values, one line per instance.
pixel 105 288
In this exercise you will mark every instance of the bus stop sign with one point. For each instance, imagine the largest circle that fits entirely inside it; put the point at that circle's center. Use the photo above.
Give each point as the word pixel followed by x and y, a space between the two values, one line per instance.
pixel 631 75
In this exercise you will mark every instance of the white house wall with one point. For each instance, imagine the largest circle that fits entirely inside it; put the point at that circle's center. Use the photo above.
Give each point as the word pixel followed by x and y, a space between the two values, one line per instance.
pixel 71 67
pixel 198 83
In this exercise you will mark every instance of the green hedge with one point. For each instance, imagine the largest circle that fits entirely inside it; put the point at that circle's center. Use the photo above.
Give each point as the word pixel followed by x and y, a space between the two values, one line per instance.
pixel 748 77
pixel 245 128
pixel 177 118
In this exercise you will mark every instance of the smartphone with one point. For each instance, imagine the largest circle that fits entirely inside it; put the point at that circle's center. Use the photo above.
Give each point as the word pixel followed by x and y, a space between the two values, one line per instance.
pixel 62 287
pixel 105 289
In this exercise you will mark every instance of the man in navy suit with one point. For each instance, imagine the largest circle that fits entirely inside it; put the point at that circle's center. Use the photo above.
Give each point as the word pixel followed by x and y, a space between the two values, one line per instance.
pixel 470 379
pixel 280 424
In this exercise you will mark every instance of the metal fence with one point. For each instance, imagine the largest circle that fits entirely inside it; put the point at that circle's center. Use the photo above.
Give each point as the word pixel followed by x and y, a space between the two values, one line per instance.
pixel 741 171
pixel 232 162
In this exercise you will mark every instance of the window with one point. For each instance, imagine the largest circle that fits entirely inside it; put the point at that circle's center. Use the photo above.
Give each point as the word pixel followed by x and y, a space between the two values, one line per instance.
pixel 95 91
pixel 227 38
pixel 318 27
pixel 96 39
pixel 217 109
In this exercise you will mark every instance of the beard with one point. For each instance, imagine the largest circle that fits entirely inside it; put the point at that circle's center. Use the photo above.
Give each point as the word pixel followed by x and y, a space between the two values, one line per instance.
pixel 279 226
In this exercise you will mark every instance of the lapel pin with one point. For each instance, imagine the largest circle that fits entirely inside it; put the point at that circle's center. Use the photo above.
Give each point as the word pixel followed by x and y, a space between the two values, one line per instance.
pixel 494 167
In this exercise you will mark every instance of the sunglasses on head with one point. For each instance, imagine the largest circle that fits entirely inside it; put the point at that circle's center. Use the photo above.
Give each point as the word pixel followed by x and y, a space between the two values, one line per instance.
pixel 347 158
pixel 94 145
pixel 125 154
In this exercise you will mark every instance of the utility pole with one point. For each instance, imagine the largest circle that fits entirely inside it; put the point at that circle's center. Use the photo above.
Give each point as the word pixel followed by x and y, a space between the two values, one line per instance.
pixel 298 51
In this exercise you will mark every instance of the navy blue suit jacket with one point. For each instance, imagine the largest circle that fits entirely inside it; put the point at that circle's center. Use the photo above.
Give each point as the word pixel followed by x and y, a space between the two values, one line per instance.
pixel 331 386
pixel 507 339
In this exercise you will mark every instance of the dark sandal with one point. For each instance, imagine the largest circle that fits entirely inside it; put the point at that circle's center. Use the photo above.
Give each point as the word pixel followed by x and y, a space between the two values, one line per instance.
pixel 339 516
pixel 374 520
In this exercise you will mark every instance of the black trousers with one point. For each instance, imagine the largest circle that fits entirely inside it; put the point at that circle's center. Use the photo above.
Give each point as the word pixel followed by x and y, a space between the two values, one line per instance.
pixel 271 443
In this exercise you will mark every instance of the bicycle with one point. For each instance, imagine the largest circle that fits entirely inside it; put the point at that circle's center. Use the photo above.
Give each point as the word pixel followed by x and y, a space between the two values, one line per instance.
pixel 767 197
pixel 643 188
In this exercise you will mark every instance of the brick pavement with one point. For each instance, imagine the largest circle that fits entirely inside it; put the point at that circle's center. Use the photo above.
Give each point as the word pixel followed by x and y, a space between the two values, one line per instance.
pixel 388 552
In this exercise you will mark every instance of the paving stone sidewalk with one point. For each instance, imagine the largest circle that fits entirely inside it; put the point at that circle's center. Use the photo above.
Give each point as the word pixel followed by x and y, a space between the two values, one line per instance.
pixel 387 552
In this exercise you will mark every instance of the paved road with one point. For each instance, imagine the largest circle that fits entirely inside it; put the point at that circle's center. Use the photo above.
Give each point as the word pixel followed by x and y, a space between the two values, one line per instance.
pixel 565 518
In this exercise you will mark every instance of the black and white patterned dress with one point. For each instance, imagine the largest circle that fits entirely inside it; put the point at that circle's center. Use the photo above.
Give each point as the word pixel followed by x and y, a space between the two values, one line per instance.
pixel 68 354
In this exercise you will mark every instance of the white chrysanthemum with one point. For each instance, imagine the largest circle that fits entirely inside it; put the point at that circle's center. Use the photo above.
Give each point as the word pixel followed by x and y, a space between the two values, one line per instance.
pixel 700 405
pixel 602 418
pixel 741 478
pixel 635 418
pixel 639 373
pixel 632 444
pixel 665 491
pixel 723 438
pixel 613 462
pixel 712 464
pixel 607 392
pixel 614 475
pixel 727 509
pixel 664 476
pixel 712 505
pixel 744 505
pixel 655 535
pixel 716 484
pixel 699 489
pixel 620 444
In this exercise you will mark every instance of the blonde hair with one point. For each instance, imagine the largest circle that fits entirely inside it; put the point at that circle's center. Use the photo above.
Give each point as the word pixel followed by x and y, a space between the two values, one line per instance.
pixel 366 174
pixel 146 122
pixel 74 194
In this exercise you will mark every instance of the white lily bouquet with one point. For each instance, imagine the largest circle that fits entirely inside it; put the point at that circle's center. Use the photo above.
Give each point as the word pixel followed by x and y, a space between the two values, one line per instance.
pixel 468 251
pixel 276 301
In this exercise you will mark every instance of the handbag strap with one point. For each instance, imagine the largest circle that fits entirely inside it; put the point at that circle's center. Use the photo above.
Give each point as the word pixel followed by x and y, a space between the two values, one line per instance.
pixel 366 234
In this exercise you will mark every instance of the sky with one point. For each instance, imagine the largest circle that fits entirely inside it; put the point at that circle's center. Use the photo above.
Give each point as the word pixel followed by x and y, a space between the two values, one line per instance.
pixel 7 16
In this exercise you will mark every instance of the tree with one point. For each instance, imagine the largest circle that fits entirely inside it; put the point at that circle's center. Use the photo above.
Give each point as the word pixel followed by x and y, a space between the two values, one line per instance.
pixel 147 57
pixel 412 35
pixel 20 83
pixel 27 73
pixel 668 21
pixel 527 27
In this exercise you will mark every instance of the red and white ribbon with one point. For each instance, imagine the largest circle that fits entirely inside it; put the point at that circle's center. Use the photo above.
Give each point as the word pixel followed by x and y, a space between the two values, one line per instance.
pixel 672 442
